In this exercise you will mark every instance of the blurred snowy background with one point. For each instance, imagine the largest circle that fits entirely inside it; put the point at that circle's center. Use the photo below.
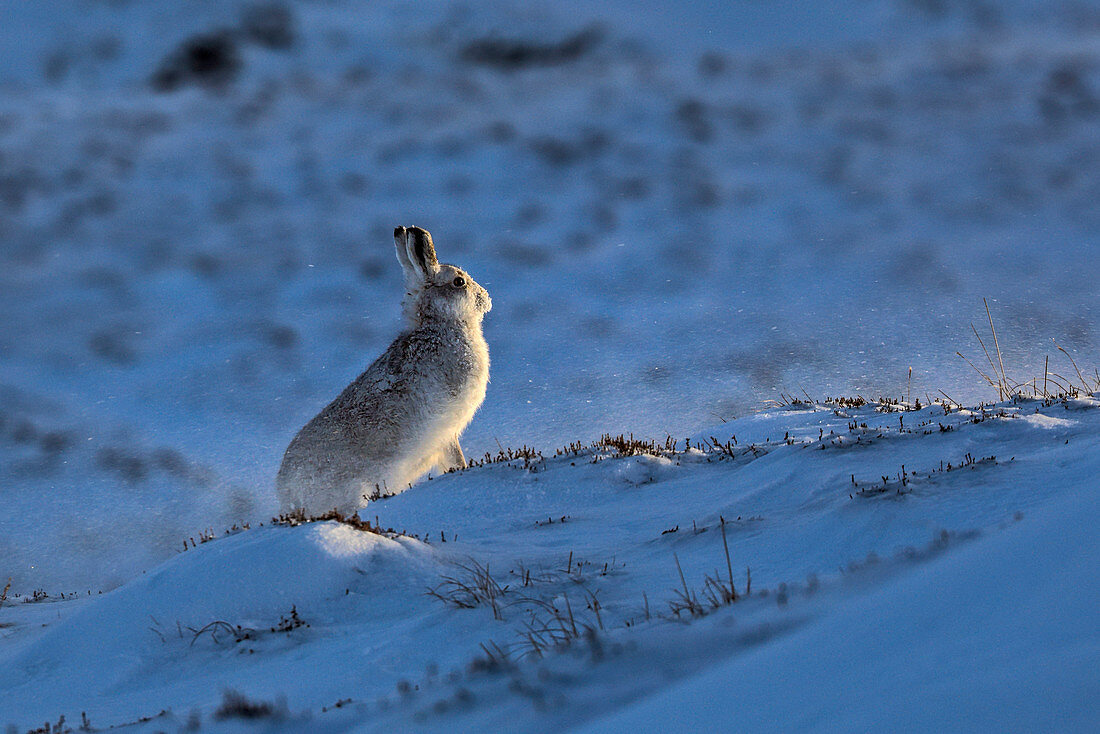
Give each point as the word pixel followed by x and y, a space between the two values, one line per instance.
pixel 679 209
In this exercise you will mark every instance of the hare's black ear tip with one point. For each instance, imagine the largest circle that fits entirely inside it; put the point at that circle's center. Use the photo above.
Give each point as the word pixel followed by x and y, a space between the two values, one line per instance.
pixel 398 231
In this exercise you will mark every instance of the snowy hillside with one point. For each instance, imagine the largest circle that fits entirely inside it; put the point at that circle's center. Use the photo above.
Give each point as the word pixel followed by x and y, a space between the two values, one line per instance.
pixel 684 212
pixel 679 215
pixel 910 570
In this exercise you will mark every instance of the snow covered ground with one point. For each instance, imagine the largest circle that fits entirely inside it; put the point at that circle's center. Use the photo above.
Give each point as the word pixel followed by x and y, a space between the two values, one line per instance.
pixel 680 215
pixel 909 571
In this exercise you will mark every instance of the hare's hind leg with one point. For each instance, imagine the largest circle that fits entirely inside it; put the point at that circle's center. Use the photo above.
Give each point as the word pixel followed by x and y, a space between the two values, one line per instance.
pixel 451 457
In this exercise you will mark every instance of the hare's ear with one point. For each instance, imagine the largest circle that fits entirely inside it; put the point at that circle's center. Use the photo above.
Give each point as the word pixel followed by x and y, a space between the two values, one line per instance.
pixel 400 236
pixel 421 252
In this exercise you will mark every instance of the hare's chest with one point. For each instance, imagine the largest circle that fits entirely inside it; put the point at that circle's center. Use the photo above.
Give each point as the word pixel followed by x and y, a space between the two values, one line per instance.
pixel 465 384
pixel 452 374
pixel 471 374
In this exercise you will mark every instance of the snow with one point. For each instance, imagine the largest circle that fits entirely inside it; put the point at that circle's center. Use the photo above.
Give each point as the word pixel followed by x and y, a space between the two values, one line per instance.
pixel 138 647
pixel 937 602
pixel 965 642
pixel 697 212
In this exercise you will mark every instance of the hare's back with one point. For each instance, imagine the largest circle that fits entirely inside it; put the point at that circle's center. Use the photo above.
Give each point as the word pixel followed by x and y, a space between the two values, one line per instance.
pixel 345 426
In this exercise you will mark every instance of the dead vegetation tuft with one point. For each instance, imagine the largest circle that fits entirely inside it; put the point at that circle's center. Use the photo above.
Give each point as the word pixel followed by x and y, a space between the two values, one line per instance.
pixel 1055 386
pixel 222 632
pixel 550 608
pixel 294 519
pixel 718 590
pixel 472 586
pixel 529 456
pixel 299 517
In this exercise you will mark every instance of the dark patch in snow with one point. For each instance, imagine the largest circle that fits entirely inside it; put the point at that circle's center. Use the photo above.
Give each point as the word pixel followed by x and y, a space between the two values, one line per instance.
pixel 236 705
pixel 512 54
pixel 210 60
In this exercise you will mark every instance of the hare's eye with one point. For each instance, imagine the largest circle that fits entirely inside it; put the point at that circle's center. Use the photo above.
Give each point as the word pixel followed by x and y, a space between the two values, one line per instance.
pixel 459 282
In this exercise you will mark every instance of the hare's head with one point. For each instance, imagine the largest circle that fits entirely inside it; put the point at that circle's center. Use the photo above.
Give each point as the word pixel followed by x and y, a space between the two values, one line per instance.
pixel 434 289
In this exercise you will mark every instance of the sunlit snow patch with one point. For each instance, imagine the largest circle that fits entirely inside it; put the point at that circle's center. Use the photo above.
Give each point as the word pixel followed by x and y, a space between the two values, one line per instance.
pixel 643 469
pixel 1047 421
pixel 252 581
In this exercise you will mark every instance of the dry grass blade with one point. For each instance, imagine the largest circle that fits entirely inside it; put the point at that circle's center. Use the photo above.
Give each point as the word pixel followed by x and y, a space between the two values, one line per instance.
pixel 726 548
pixel 992 367
pixel 996 343
pixel 718 592
pixel 1081 377
pixel 975 367
pixel 497 657
pixel 686 599
pixel 572 620
pixel 951 399
pixel 594 605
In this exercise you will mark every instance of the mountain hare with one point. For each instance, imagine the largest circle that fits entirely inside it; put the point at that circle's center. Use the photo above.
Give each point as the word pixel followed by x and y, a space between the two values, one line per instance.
pixel 405 413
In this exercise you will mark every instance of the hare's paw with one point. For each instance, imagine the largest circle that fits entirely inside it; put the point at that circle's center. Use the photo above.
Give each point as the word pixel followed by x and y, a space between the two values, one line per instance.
pixel 452 457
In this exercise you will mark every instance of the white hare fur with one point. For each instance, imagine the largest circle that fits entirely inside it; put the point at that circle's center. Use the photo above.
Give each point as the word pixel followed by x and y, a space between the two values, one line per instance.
pixel 405 413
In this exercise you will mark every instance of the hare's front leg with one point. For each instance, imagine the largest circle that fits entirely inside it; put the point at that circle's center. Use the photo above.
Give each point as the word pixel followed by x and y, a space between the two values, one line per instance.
pixel 452 457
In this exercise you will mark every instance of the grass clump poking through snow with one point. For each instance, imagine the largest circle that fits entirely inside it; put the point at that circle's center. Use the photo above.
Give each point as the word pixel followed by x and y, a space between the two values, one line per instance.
pixel 556 630
pixel 239 633
pixel 630 446
pixel 718 590
pixel 294 519
pixel 550 620
pixel 531 615
pixel 299 517
pixel 606 446
pixel 1008 388
pixel 473 587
